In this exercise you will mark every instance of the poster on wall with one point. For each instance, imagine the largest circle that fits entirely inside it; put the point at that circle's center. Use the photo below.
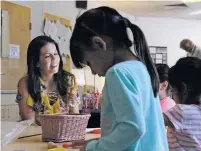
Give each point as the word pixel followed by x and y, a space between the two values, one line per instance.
pixel 60 33
pixel 14 51
pixel 158 54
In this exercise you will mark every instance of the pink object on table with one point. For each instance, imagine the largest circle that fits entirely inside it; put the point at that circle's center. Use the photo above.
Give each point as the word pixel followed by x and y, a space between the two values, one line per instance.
pixel 166 104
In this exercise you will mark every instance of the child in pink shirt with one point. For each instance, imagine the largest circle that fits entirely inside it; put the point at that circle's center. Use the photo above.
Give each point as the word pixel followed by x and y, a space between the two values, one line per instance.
pixel 165 101
pixel 184 119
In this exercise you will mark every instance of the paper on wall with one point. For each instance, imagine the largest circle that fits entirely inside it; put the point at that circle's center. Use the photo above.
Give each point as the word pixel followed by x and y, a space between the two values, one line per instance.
pixel 58 26
pixel 64 59
pixel 68 34
pixel 61 46
pixel 56 39
pixel 46 26
pixel 67 38
pixel 49 28
pixel 63 31
pixel 53 31
pixel 66 49
pixel 14 51
pixel 59 33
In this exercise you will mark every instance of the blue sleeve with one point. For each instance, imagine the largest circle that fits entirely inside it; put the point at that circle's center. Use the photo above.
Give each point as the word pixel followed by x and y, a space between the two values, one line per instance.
pixel 127 106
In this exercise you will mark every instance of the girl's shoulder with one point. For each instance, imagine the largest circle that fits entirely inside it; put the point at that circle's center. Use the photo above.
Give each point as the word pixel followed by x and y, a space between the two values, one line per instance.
pixel 184 111
pixel 188 106
pixel 132 69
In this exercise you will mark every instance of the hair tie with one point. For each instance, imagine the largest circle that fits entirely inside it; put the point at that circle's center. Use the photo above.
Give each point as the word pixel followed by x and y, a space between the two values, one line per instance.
pixel 116 19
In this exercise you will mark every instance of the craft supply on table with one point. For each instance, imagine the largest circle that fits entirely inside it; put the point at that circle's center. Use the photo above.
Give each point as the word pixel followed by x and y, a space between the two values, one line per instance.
pixel 29 136
pixel 91 130
pixel 96 131
pixel 51 145
pixel 10 131
pixel 70 145
pixel 57 149
pixel 66 145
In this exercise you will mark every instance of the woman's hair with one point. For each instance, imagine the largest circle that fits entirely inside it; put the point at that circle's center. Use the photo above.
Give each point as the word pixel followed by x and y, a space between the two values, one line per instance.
pixel 105 21
pixel 162 70
pixel 186 75
pixel 33 54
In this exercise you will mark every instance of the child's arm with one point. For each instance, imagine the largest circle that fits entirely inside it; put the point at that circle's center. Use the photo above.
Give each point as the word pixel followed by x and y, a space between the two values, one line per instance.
pixel 167 121
pixel 127 106
pixel 173 118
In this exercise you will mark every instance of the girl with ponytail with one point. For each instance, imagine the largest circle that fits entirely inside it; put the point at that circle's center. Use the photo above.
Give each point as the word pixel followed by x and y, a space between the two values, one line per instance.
pixel 131 117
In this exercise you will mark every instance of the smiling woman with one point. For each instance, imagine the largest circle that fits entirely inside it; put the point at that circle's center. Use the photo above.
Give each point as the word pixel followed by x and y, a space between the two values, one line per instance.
pixel 46 88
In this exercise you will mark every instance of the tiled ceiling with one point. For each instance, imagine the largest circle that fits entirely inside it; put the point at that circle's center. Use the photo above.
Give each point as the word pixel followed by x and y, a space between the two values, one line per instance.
pixel 187 9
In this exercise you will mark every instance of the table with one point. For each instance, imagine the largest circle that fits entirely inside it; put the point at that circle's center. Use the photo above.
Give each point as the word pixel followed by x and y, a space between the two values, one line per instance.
pixel 35 143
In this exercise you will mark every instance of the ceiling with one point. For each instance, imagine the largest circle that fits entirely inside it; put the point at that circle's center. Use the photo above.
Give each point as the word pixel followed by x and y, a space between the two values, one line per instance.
pixel 187 9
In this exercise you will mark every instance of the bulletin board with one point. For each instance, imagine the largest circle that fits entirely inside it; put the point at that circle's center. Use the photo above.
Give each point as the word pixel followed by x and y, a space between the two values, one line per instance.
pixel 65 22
pixel 19 34
pixel 158 54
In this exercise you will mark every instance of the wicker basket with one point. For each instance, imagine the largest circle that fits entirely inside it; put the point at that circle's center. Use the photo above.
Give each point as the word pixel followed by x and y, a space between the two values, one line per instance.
pixel 63 127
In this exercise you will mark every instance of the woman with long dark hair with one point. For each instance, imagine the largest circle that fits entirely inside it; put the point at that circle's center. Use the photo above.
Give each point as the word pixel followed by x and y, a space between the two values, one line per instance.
pixel 46 88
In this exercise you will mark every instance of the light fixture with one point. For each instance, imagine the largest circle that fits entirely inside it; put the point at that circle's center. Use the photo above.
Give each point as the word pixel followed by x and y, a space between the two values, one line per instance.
pixel 191 1
pixel 198 12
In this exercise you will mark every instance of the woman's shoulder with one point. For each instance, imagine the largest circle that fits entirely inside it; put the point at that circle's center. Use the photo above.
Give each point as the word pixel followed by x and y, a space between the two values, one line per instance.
pixel 23 81
pixel 22 91
pixel 22 86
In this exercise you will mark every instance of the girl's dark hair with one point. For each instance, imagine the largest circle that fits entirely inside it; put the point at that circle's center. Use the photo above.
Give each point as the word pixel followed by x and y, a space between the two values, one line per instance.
pixel 33 54
pixel 162 70
pixel 187 71
pixel 105 21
